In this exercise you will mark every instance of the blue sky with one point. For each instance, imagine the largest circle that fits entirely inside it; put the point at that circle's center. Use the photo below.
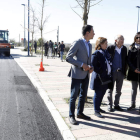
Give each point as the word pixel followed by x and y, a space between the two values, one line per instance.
pixel 109 18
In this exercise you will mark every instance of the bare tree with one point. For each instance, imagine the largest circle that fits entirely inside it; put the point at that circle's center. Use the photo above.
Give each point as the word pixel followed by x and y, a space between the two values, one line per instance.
pixel 85 6
pixel 42 21
pixel 32 26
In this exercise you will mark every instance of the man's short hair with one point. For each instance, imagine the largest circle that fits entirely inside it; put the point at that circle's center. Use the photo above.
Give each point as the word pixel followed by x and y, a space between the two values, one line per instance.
pixel 86 28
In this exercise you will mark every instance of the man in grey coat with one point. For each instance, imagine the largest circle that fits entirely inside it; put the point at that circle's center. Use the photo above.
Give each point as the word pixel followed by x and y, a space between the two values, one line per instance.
pixel 79 56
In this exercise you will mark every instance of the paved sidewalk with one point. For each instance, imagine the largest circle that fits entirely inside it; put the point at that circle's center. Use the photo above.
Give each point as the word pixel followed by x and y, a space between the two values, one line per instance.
pixel 56 84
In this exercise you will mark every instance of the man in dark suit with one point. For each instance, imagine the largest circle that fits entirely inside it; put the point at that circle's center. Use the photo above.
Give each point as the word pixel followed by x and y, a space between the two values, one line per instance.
pixel 35 46
pixel 62 48
pixel 79 56
pixel 51 47
pixel 46 49
pixel 118 54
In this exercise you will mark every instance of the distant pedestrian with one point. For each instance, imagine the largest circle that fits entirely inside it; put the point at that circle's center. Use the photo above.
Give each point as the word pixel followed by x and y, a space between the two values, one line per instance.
pixel 58 50
pixel 51 47
pixel 46 49
pixel 62 48
pixel 35 45
pixel 55 49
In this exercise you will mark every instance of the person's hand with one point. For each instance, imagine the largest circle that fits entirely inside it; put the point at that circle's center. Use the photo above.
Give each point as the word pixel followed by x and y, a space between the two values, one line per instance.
pixel 91 70
pixel 137 71
pixel 85 67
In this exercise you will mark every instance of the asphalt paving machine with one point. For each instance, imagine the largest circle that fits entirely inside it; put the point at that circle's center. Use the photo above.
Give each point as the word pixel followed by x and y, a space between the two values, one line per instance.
pixel 4 43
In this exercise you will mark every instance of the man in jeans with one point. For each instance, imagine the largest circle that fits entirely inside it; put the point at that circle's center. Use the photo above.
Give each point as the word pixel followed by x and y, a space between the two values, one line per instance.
pixel 79 55
pixel 62 48
pixel 118 54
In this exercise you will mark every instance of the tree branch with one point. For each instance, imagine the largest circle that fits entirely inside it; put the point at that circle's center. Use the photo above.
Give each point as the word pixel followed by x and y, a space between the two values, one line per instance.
pixel 88 6
pixel 80 4
pixel 96 3
pixel 75 12
pixel 45 20
pixel 75 6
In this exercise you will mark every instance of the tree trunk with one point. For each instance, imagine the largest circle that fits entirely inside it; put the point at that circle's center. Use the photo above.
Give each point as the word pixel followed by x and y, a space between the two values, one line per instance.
pixel 42 45
pixel 32 44
pixel 42 28
pixel 85 14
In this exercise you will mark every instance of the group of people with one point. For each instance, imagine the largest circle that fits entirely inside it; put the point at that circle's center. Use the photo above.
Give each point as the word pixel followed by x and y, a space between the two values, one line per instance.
pixel 108 65
pixel 54 49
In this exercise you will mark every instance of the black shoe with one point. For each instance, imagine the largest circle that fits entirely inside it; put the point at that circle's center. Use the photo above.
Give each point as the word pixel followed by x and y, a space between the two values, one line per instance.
pixel 110 109
pixel 82 116
pixel 102 111
pixel 131 107
pixel 72 120
pixel 118 108
pixel 98 115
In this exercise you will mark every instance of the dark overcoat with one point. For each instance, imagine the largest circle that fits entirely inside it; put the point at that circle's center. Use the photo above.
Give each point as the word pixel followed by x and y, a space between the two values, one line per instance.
pixel 133 63
pixel 99 63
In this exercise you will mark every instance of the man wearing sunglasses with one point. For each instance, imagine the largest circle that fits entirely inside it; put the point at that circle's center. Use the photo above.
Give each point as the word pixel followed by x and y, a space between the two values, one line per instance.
pixel 118 54
pixel 134 69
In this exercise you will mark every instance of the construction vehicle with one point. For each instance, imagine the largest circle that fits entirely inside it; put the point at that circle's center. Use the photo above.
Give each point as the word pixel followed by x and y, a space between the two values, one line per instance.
pixel 4 43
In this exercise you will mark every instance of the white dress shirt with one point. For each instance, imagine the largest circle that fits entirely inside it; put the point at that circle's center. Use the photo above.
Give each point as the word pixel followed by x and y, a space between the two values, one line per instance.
pixel 118 49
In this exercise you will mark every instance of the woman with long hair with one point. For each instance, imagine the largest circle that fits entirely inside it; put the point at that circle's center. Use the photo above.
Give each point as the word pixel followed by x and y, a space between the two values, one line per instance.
pixel 134 69
pixel 101 76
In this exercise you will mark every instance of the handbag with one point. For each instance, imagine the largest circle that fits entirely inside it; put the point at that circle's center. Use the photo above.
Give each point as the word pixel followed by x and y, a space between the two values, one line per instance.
pixel 104 82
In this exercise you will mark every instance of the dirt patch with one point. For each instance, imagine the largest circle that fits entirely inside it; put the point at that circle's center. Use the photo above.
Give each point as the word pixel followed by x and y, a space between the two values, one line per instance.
pixel 88 103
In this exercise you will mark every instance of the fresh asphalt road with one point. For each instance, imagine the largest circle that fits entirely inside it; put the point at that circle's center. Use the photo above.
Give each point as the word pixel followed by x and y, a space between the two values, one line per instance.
pixel 23 114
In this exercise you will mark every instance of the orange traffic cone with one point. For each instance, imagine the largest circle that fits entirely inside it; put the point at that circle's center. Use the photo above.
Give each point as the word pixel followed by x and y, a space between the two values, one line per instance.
pixel 41 66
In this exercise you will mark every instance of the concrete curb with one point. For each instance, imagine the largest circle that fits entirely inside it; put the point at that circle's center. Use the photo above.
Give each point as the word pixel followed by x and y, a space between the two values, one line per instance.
pixel 65 131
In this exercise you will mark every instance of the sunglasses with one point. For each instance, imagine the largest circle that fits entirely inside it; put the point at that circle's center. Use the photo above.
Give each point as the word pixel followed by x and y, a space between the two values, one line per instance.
pixel 137 37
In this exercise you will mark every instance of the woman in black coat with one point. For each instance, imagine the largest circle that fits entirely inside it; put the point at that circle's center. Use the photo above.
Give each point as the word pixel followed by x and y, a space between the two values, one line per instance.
pixel 101 75
pixel 134 68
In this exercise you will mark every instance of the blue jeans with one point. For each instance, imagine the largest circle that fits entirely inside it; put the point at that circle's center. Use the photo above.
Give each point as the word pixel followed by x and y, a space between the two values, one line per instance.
pixel 98 97
pixel 78 86
pixel 61 54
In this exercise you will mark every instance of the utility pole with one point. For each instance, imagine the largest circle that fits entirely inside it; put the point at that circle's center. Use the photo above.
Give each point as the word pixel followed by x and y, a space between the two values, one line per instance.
pixel 28 24
pixel 58 35
pixel 138 18
pixel 19 39
pixel 24 26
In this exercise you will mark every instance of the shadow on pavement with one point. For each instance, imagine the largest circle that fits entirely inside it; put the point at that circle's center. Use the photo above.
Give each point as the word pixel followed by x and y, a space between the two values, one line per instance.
pixel 119 128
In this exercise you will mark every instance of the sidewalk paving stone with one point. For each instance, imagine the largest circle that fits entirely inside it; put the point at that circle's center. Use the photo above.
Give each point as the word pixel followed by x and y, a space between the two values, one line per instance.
pixel 115 126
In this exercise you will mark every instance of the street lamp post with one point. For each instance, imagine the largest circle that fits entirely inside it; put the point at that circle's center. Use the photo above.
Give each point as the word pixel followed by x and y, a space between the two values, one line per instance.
pixel 24 26
pixel 28 24
pixel 138 17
